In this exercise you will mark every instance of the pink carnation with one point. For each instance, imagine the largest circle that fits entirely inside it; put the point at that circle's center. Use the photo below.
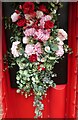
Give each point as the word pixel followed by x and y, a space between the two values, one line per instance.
pixel 29 32
pixel 33 49
pixel 42 35
pixel 29 49
pixel 38 49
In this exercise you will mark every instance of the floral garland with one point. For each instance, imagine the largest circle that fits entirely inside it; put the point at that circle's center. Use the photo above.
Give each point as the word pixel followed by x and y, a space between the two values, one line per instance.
pixel 37 45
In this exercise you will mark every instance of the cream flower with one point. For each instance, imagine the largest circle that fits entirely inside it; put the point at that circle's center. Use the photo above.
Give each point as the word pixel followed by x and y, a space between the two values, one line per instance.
pixel 47 48
pixel 43 60
pixel 39 14
pixel 27 16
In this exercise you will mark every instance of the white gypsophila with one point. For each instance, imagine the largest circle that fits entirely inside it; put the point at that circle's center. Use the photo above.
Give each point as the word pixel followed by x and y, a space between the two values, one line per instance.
pixel 25 40
pixel 39 14
pixel 47 48
pixel 14 49
pixel 14 17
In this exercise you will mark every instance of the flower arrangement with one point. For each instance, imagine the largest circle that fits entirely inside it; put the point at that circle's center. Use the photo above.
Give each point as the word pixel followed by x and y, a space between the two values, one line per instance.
pixel 37 45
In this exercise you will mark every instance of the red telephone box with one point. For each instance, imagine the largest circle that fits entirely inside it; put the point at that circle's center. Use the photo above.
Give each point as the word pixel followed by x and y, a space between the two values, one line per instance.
pixel 61 101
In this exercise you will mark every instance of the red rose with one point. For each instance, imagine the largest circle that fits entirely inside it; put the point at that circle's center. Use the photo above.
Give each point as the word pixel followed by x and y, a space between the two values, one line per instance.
pixel 21 22
pixel 33 14
pixel 49 24
pixel 41 68
pixel 43 8
pixel 28 7
pixel 33 58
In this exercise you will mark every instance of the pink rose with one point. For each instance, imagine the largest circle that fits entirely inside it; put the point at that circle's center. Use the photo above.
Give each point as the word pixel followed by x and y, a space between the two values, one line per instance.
pixel 60 51
pixel 29 49
pixel 14 17
pixel 62 34
pixel 42 35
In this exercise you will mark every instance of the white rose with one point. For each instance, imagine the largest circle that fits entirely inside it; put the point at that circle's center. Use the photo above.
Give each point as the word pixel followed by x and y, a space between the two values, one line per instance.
pixel 47 48
pixel 14 17
pixel 39 14
pixel 25 40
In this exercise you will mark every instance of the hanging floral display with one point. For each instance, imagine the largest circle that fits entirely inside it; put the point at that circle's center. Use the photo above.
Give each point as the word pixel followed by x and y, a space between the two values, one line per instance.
pixel 37 45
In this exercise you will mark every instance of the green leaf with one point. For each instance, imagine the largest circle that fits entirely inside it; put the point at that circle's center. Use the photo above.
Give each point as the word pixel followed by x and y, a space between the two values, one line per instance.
pixel 52 58
pixel 54 47
pixel 18 78
pixel 25 72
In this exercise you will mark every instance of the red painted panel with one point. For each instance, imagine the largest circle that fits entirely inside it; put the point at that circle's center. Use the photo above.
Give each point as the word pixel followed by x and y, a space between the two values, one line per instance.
pixel 57 101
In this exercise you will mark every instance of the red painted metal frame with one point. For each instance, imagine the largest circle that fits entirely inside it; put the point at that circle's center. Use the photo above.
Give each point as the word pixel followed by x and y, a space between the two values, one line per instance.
pixel 72 61
pixel 0 60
